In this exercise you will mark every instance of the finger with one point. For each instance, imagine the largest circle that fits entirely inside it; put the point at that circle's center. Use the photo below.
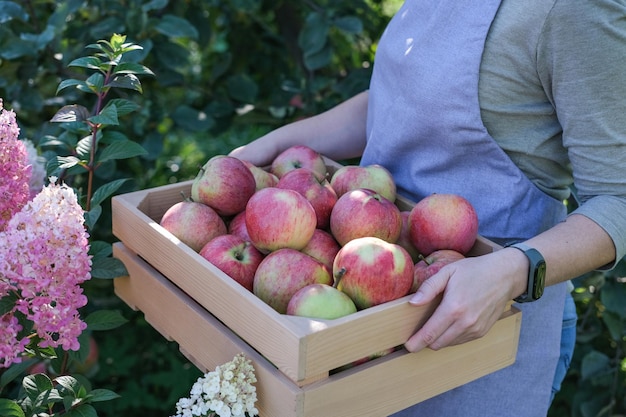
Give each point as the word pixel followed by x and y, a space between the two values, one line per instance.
pixel 430 332
pixel 431 288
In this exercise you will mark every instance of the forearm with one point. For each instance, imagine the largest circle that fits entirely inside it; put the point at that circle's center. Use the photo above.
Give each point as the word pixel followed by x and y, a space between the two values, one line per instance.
pixel 338 133
pixel 571 248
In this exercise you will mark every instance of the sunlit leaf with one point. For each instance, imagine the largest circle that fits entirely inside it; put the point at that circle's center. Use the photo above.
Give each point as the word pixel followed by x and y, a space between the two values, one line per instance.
pixel 132 68
pixel 127 81
pixel 9 408
pixel 71 113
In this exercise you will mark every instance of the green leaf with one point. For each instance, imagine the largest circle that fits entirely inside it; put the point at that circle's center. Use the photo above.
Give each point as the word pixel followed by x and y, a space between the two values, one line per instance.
pixel 71 113
pixel 69 383
pixel 10 10
pixel 121 150
pixel 9 408
pixel 102 395
pixel 192 119
pixel 594 363
pixel 123 106
pixel 101 320
pixel 350 24
pixel 108 116
pixel 154 5
pixel 615 325
pixel 176 27
pixel 613 296
pixel 127 81
pixel 318 59
pixel 90 62
pixel 242 88
pixel 35 384
pixel 66 162
pixel 12 372
pixel 132 68
pixel 107 268
pixel 41 40
pixel 107 190
pixel 314 34
pixel 100 249
pixel 83 410
pixel 92 216
pixel 95 82
pixel 7 303
pixel 83 148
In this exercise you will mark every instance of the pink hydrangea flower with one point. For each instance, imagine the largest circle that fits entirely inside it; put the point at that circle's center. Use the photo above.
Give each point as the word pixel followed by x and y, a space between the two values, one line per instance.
pixel 44 261
pixel 15 172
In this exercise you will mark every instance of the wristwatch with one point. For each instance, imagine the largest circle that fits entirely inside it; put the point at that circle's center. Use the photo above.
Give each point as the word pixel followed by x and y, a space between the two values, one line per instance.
pixel 536 273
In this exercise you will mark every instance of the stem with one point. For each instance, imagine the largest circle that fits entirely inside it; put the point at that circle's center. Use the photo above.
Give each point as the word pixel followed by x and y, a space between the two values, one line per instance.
pixel 338 276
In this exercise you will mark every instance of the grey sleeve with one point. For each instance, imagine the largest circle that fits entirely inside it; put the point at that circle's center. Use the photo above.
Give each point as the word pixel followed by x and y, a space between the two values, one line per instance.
pixel 582 57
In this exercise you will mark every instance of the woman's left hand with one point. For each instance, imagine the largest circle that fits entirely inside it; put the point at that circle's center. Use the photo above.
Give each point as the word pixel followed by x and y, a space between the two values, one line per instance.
pixel 475 293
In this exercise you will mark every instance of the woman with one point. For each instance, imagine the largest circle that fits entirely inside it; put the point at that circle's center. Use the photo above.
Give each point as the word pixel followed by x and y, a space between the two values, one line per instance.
pixel 506 103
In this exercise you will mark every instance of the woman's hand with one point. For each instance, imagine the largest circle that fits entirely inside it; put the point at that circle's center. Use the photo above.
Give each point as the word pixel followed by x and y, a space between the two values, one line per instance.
pixel 475 293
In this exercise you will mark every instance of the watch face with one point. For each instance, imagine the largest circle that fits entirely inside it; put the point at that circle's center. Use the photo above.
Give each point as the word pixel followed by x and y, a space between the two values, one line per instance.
pixel 540 278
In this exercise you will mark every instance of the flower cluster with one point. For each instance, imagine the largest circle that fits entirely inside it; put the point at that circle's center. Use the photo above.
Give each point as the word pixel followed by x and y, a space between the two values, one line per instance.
pixel 227 391
pixel 43 260
pixel 15 172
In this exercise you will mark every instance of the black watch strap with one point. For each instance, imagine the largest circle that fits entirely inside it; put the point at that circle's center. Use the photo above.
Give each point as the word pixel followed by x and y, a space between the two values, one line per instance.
pixel 536 273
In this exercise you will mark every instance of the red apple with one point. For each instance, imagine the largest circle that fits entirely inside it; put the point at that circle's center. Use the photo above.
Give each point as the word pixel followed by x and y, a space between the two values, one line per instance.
pixel 277 218
pixel 443 221
pixel 234 256
pixel 316 188
pixel 405 238
pixel 430 265
pixel 193 223
pixel 374 177
pixel 298 156
pixel 262 177
pixel 224 183
pixel 372 271
pixel 363 212
pixel 323 247
pixel 320 301
pixel 237 226
pixel 283 272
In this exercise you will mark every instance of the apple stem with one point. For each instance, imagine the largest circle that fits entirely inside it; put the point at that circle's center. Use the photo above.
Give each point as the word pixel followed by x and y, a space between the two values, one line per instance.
pixel 423 258
pixel 338 275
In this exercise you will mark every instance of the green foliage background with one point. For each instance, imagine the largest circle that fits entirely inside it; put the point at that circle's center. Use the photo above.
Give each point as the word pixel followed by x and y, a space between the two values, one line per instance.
pixel 225 73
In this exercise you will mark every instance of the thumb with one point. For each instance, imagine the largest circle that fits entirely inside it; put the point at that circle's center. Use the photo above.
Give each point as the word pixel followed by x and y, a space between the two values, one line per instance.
pixel 430 288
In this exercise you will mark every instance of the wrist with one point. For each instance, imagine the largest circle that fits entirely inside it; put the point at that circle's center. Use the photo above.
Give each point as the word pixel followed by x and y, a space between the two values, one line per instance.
pixel 519 266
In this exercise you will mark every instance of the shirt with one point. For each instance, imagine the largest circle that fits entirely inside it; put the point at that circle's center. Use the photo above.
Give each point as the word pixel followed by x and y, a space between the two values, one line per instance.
pixel 552 92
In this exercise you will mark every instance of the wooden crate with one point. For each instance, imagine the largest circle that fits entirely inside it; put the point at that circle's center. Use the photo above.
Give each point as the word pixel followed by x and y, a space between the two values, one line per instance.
pixel 377 388
pixel 180 293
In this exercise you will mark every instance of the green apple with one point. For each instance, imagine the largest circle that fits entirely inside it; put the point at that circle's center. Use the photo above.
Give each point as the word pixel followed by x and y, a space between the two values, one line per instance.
pixel 320 301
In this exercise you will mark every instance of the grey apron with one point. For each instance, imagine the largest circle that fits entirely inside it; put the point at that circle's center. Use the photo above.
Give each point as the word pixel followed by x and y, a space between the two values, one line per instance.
pixel 424 125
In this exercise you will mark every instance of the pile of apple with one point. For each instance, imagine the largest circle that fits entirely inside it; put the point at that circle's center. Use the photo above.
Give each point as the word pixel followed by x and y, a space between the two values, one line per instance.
pixel 315 242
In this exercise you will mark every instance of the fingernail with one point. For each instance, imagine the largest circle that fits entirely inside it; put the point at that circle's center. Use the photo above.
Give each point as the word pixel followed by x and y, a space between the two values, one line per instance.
pixel 417 298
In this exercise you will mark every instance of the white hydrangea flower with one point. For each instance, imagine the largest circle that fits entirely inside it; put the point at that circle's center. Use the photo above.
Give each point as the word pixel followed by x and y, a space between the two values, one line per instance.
pixel 228 391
